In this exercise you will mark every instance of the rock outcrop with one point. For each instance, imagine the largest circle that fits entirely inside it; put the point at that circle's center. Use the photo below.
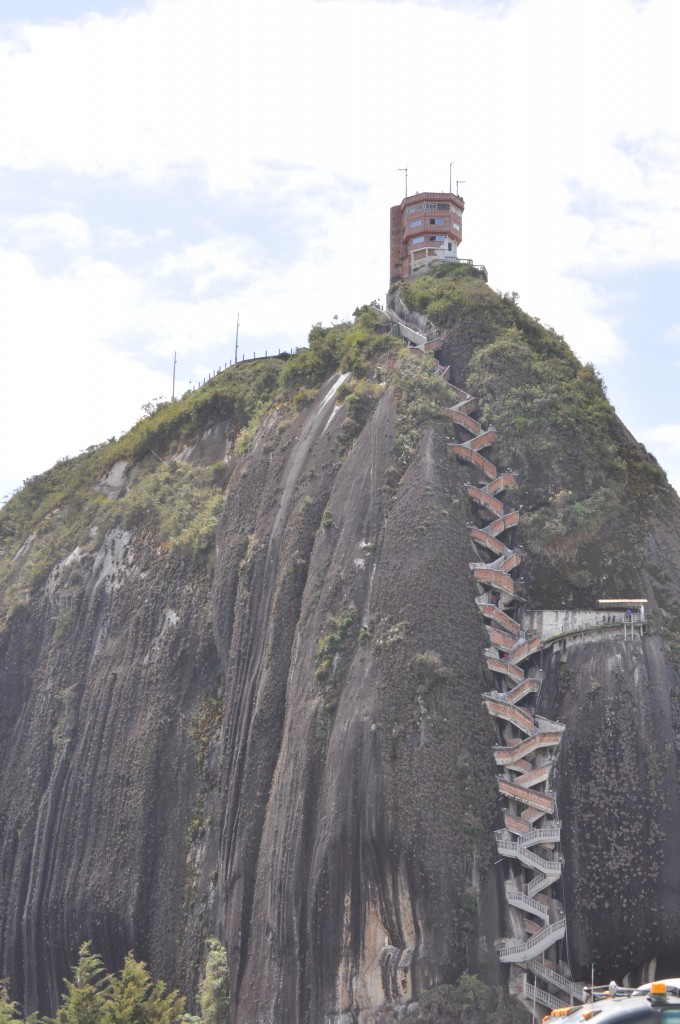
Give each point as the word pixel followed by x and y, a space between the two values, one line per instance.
pixel 241 677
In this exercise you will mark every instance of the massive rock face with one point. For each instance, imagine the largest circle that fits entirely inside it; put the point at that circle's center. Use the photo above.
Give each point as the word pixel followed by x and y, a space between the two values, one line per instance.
pixel 620 805
pixel 350 797
pixel 101 675
pixel 279 739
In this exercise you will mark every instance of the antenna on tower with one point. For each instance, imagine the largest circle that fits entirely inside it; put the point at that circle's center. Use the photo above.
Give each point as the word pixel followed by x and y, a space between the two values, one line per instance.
pixel 459 181
pixel 238 318
pixel 174 367
pixel 405 170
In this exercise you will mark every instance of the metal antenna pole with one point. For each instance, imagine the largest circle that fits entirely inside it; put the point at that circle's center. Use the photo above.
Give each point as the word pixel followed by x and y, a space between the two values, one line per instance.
pixel 174 366
pixel 238 318
pixel 450 166
pixel 405 170
pixel 459 181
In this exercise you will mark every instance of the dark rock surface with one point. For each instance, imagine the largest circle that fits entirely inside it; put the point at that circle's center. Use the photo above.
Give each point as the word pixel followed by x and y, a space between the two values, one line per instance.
pixel 99 680
pixel 336 822
pixel 282 743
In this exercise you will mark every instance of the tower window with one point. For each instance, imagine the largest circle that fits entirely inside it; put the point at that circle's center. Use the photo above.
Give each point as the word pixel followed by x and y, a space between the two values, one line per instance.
pixel 416 224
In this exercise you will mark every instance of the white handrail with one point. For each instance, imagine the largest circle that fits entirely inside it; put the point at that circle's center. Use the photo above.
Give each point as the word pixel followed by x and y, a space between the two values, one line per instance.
pixel 544 864
pixel 537 943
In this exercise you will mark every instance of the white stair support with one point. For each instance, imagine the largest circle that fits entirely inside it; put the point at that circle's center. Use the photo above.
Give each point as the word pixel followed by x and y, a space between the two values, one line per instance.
pixel 572 988
pixel 521 952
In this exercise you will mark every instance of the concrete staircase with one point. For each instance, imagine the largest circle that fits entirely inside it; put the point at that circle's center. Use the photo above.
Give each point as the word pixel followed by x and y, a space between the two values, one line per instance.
pixel 419 342
pixel 529 743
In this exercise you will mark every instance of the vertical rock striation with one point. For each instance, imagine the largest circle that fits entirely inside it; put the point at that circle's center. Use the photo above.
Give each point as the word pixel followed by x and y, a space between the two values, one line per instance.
pixel 276 734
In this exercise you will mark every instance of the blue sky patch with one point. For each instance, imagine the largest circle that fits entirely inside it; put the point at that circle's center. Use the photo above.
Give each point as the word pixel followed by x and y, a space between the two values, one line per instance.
pixel 47 11
pixel 644 301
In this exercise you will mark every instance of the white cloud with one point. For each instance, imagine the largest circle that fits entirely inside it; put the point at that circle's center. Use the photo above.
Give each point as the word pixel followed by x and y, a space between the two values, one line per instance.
pixel 211 261
pixel 564 131
pixel 58 227
pixel 664 441
pixel 666 433
pixel 64 387
pixel 672 334
pixel 126 238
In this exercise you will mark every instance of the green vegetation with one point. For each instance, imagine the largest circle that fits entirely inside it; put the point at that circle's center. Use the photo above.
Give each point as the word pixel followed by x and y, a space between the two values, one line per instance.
pixel 421 398
pixel 428 678
pixel 176 500
pixel 583 481
pixel 232 396
pixel 9 1010
pixel 360 398
pixel 213 992
pixel 346 347
pixel 133 998
pixel 87 992
pixel 539 401
pixel 332 643
pixel 205 727
pixel 432 293
pixel 94 997
pixel 470 1001
pixel 587 488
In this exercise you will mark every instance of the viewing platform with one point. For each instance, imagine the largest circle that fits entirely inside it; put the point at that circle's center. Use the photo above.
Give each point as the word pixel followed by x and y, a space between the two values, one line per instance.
pixel 424 259
pixel 626 618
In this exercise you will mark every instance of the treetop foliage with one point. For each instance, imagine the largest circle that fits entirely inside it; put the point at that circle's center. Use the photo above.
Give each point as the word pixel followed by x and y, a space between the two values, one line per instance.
pixel 93 996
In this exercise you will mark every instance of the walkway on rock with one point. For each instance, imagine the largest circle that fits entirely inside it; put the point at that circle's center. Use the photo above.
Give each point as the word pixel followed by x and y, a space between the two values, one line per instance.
pixel 419 343
pixel 528 743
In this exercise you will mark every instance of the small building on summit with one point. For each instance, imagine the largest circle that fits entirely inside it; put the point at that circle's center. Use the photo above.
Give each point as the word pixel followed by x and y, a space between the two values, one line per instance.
pixel 424 229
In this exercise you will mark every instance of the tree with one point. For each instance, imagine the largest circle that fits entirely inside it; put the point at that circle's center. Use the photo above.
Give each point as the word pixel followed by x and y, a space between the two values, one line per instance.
pixel 9 1011
pixel 469 1001
pixel 213 992
pixel 86 995
pixel 135 999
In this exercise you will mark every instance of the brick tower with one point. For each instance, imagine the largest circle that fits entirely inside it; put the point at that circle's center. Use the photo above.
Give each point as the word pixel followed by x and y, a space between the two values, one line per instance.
pixel 424 229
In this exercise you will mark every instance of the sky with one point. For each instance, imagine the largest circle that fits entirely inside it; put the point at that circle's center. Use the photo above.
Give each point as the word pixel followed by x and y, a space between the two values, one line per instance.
pixel 169 166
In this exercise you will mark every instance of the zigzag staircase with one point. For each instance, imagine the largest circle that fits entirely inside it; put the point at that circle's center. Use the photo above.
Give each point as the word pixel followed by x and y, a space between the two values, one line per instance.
pixel 528 744
pixel 419 343
pixel 526 753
